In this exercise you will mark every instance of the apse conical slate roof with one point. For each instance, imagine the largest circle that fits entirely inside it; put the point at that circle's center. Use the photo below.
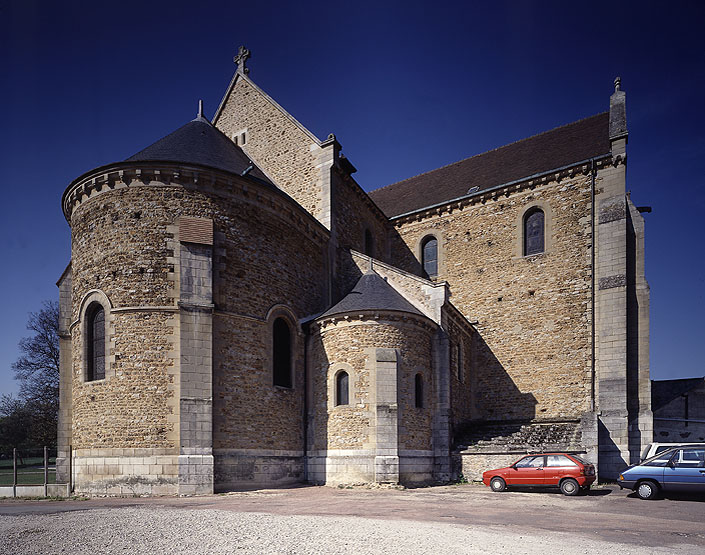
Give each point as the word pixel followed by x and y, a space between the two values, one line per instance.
pixel 372 292
pixel 199 142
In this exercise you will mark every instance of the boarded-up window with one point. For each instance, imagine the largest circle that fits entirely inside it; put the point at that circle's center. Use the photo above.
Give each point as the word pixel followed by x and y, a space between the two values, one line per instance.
pixel 95 342
pixel 342 388
pixel 281 355
pixel 429 256
pixel 533 232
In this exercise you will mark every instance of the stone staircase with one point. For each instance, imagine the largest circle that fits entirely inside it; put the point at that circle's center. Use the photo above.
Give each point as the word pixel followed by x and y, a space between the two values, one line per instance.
pixel 519 437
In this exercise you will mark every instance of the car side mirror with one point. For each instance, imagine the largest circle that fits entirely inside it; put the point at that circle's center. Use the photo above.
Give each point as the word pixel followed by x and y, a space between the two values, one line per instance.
pixel 671 463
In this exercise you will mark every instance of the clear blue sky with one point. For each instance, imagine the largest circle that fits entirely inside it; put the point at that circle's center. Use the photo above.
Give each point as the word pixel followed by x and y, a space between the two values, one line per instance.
pixel 405 86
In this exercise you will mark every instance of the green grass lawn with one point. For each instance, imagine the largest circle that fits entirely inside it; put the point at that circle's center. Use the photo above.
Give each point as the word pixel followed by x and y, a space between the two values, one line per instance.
pixel 29 473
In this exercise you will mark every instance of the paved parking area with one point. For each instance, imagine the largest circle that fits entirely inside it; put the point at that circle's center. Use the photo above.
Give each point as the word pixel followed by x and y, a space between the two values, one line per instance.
pixel 605 520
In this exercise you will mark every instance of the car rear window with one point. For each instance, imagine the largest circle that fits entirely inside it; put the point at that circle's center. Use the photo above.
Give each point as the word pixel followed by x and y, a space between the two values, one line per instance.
pixel 559 460
pixel 581 460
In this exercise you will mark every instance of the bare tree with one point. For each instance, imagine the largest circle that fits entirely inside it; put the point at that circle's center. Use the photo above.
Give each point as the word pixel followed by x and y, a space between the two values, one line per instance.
pixel 14 425
pixel 38 373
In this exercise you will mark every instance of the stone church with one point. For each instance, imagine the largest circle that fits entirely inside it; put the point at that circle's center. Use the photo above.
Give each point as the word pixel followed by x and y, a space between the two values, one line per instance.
pixel 238 312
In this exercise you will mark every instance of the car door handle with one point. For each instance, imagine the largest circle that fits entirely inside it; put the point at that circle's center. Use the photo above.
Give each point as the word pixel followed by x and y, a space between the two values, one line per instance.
pixel 702 471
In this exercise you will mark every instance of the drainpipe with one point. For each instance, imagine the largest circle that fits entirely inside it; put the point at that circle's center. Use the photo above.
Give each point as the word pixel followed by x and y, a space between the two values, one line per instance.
pixel 593 173
pixel 305 330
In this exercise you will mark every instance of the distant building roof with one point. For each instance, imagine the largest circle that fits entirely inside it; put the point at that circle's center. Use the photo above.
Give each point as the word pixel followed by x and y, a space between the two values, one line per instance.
pixel 199 142
pixel 372 292
pixel 575 142
pixel 665 391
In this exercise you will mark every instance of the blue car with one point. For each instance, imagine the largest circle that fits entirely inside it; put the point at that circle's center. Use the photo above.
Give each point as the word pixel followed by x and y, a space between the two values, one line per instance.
pixel 680 469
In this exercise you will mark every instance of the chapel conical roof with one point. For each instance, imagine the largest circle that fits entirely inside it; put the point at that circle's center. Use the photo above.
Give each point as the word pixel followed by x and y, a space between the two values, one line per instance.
pixel 199 142
pixel 372 292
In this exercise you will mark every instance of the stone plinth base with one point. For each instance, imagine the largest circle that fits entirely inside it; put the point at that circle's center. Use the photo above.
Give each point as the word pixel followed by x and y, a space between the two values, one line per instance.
pixel 252 468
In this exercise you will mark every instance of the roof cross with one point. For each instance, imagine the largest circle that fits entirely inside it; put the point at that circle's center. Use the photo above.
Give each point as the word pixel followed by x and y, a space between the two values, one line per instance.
pixel 241 59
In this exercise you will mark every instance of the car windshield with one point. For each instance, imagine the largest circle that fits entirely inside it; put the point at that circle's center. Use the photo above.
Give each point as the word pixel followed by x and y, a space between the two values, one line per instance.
pixel 659 460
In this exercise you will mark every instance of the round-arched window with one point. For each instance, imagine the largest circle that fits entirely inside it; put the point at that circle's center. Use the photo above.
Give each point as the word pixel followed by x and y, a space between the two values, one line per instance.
pixel 281 355
pixel 429 256
pixel 95 342
pixel 533 232
pixel 418 391
pixel 342 389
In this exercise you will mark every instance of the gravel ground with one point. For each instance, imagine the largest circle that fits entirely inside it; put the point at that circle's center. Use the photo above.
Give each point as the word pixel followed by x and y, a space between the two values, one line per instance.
pixel 164 530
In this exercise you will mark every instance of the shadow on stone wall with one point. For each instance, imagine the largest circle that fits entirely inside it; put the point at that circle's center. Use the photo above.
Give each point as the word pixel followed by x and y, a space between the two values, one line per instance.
pixel 316 417
pixel 610 460
pixel 497 397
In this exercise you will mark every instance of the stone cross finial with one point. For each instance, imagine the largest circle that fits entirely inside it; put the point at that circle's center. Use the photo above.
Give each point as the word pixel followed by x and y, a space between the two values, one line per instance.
pixel 617 84
pixel 241 59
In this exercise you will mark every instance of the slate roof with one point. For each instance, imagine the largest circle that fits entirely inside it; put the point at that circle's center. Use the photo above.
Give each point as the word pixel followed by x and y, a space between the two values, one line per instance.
pixel 372 292
pixel 665 391
pixel 199 142
pixel 575 142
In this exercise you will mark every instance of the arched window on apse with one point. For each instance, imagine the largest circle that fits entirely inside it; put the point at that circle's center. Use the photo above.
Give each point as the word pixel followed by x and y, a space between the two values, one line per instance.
pixel 342 389
pixel 95 342
pixel 418 391
pixel 281 355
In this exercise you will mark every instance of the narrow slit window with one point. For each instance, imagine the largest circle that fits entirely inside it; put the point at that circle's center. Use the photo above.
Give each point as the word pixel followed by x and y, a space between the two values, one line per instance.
pixel 369 244
pixel 534 232
pixel 429 256
pixel 342 389
pixel 281 355
pixel 459 359
pixel 418 391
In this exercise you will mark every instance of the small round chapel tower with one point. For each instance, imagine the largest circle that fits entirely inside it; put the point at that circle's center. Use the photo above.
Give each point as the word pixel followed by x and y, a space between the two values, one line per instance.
pixel 373 389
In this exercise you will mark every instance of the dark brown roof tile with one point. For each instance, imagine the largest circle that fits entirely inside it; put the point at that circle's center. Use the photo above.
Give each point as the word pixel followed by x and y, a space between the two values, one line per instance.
pixel 575 142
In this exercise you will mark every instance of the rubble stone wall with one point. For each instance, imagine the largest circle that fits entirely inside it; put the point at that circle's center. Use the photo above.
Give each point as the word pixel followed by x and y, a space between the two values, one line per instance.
pixel 532 352
pixel 281 148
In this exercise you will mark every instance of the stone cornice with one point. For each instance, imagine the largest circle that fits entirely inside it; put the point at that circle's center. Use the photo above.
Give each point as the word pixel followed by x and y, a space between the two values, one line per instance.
pixel 368 316
pixel 205 179
pixel 458 319
pixel 505 189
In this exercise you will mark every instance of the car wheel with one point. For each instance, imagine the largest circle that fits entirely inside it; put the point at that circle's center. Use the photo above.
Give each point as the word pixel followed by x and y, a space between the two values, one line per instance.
pixel 497 484
pixel 647 489
pixel 569 487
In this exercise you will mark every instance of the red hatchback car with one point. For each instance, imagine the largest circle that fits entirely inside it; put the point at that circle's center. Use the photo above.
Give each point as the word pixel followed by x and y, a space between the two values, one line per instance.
pixel 570 473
